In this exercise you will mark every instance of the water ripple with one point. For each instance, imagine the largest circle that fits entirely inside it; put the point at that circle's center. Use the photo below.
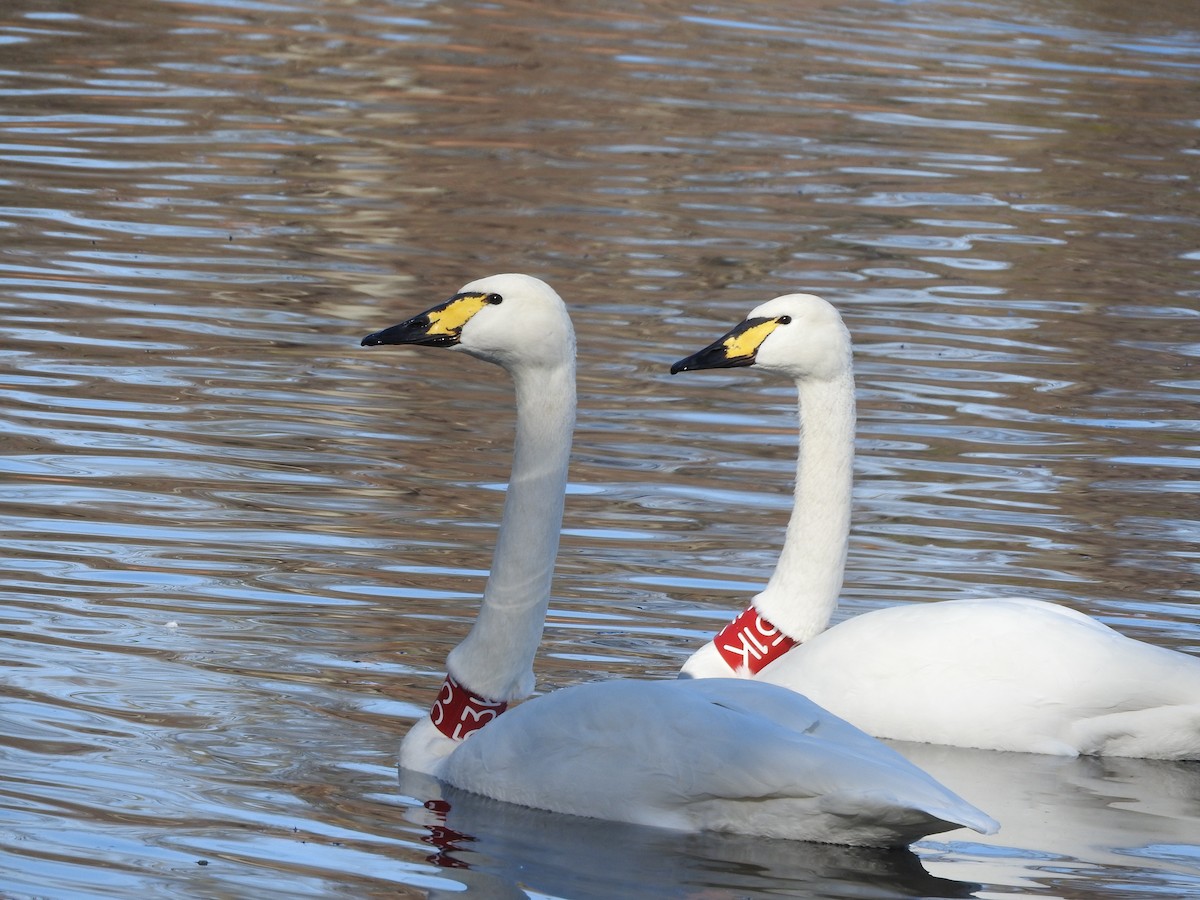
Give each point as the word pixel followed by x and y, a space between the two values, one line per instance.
pixel 239 546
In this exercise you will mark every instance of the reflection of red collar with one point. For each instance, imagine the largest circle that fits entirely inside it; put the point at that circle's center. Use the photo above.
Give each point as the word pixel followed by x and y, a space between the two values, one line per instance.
pixel 750 642
pixel 457 711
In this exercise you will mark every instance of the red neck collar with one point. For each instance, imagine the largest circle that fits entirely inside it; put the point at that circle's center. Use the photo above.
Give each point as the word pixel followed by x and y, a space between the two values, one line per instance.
pixel 458 711
pixel 750 642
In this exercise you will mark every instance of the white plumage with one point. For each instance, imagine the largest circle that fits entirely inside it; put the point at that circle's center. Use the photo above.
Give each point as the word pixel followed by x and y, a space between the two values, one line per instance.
pixel 706 755
pixel 1000 674
pixel 720 755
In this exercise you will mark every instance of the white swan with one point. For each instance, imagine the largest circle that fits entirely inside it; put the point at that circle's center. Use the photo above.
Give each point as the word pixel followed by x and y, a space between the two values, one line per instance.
pixel 713 755
pixel 998 674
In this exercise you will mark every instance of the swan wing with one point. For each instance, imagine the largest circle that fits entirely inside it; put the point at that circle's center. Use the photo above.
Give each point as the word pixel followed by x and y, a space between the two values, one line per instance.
pixel 718 754
pixel 1001 674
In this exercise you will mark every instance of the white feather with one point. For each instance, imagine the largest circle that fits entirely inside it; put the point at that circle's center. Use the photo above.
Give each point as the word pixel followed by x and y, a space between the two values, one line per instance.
pixel 717 755
pixel 1000 674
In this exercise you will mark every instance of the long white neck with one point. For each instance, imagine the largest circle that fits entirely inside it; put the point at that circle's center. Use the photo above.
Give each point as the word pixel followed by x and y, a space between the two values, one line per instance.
pixel 495 660
pixel 803 591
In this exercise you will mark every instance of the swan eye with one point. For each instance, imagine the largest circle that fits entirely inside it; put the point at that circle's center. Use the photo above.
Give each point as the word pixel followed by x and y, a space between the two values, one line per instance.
pixel 493 299
pixel 784 320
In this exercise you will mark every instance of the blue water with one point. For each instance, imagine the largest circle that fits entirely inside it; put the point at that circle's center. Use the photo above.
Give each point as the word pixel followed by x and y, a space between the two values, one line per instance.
pixel 239 546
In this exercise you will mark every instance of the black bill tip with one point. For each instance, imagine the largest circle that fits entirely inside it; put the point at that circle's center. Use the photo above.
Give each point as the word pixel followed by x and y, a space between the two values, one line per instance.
pixel 684 365
pixel 715 356
pixel 734 350
pixel 412 331
pixel 373 339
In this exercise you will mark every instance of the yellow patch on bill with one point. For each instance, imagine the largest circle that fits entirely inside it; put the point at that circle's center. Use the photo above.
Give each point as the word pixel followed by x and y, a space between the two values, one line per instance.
pixel 744 342
pixel 451 316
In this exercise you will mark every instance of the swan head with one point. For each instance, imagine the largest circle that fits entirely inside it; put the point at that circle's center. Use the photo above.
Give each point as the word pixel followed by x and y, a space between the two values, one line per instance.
pixel 515 321
pixel 798 335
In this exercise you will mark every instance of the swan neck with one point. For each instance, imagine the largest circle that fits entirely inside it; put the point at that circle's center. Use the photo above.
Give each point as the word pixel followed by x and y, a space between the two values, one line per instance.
pixel 495 660
pixel 803 591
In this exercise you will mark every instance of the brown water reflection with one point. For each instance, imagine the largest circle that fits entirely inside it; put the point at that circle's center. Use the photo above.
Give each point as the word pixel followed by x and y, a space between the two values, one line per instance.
pixel 239 548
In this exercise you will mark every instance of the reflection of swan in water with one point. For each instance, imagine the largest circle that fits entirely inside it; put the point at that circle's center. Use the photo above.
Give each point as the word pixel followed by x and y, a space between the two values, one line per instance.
pixel 1003 674
pixel 494 847
pixel 712 755
pixel 1130 821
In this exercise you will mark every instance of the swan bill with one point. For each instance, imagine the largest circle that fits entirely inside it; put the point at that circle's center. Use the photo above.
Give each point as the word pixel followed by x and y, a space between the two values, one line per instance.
pixel 440 326
pixel 737 348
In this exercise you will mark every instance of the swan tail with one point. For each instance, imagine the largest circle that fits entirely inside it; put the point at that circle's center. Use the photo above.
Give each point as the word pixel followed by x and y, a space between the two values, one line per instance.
pixel 1163 732
pixel 905 821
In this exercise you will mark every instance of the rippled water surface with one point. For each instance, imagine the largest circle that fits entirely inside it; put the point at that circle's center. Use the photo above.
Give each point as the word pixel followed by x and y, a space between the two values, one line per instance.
pixel 238 546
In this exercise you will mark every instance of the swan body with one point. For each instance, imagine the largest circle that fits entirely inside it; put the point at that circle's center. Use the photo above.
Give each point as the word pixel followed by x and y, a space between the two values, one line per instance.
pixel 713 755
pixel 706 755
pixel 999 674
